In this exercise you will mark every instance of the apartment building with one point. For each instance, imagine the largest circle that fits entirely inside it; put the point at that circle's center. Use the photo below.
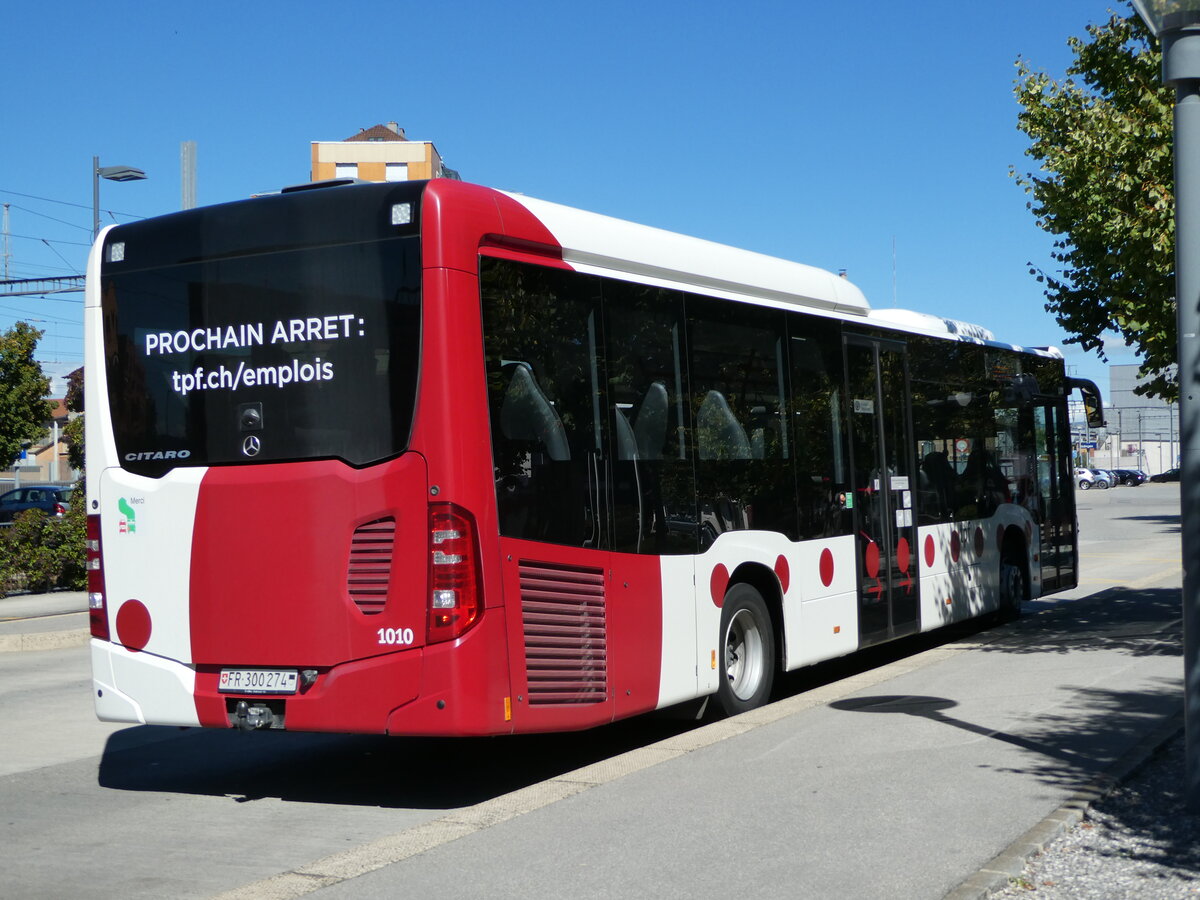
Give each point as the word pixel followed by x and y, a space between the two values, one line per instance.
pixel 379 153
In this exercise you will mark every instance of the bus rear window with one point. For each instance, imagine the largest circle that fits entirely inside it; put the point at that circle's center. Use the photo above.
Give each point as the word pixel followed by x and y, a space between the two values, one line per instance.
pixel 302 353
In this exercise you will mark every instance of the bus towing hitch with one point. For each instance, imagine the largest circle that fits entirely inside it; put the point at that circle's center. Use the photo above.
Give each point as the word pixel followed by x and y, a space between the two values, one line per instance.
pixel 251 717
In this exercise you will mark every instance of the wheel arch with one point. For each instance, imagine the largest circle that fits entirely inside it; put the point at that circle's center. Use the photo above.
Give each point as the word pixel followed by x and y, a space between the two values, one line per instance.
pixel 766 582
pixel 1014 549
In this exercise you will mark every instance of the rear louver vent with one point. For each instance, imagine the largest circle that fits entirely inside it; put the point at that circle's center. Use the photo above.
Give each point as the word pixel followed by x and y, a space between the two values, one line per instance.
pixel 371 565
pixel 566 641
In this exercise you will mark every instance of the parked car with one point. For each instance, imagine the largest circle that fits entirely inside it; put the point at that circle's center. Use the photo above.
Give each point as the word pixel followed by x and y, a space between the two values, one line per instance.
pixel 52 499
pixel 1132 477
pixel 1084 479
pixel 1102 478
pixel 1169 475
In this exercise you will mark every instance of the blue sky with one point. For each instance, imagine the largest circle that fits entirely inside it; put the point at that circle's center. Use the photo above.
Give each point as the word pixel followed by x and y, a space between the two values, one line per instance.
pixel 824 133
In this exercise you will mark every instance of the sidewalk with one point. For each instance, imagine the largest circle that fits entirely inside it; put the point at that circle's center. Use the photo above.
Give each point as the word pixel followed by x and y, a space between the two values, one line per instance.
pixel 43 621
pixel 932 776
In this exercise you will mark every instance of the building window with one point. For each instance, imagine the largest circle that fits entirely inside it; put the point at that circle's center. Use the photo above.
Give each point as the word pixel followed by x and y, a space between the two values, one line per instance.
pixel 397 171
pixel 346 170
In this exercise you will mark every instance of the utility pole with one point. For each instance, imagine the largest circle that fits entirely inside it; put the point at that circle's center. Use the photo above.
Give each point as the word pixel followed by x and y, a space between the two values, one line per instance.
pixel 7 246
pixel 187 174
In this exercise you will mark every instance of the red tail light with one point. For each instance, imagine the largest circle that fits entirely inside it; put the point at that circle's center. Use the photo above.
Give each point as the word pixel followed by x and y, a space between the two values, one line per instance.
pixel 97 610
pixel 455 601
pixel 59 509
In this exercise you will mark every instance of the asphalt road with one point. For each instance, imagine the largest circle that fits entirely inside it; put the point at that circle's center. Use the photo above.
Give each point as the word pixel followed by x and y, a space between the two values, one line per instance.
pixel 899 773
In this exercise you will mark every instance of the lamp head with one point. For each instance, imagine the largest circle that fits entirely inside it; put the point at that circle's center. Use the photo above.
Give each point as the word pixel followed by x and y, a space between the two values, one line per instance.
pixel 1168 15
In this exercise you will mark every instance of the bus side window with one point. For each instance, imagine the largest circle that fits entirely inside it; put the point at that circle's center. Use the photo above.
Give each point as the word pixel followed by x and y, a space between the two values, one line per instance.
pixel 543 379
pixel 738 379
pixel 818 416
pixel 651 485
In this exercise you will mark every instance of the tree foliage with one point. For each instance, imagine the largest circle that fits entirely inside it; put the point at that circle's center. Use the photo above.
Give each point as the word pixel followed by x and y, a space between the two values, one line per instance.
pixel 73 431
pixel 24 409
pixel 39 552
pixel 1104 188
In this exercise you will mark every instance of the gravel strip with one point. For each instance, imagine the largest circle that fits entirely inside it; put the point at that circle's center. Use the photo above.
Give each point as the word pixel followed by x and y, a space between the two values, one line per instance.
pixel 1136 843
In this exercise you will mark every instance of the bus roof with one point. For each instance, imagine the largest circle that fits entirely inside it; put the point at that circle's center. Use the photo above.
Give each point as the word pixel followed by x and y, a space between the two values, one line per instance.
pixel 604 245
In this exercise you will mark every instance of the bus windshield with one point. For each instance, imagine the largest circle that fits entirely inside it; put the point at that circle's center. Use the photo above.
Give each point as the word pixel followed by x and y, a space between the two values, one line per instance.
pixel 303 352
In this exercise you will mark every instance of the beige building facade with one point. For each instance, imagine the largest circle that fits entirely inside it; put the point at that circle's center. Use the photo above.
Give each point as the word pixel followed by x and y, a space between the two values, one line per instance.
pixel 379 153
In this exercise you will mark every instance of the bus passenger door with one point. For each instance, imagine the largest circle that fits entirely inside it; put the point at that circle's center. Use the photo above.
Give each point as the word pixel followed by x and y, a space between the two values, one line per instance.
pixel 1055 506
pixel 882 486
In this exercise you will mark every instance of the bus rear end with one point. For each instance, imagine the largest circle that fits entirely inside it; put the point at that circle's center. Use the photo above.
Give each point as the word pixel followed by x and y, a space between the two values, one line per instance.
pixel 266 546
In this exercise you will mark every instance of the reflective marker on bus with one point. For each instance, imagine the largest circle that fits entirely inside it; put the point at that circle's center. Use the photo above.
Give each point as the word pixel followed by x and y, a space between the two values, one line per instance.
pixel 434 459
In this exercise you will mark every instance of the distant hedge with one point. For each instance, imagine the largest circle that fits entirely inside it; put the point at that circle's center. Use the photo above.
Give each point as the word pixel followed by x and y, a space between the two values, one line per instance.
pixel 40 552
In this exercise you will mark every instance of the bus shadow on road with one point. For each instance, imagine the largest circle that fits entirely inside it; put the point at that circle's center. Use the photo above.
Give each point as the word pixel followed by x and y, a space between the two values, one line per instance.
pixel 364 770
pixel 414 773
pixel 431 773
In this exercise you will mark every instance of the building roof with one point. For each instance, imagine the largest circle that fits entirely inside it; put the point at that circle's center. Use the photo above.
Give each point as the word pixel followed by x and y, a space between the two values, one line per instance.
pixel 389 132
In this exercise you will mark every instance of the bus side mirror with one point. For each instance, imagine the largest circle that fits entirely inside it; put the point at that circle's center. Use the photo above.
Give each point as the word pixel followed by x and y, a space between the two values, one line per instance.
pixel 1093 406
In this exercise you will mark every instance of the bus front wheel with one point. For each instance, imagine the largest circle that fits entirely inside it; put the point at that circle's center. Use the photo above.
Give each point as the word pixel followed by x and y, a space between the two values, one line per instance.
pixel 747 651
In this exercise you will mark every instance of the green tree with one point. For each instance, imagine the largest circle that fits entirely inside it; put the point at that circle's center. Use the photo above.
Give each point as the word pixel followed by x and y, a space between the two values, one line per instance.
pixel 24 409
pixel 39 552
pixel 73 431
pixel 1104 189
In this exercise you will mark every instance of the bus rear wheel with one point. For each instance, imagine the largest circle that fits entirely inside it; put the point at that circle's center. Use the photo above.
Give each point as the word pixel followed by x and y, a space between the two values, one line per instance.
pixel 1012 589
pixel 747 651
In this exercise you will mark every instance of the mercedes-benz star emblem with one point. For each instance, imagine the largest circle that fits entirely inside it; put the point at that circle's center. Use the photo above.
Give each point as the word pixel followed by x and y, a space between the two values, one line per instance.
pixel 251 445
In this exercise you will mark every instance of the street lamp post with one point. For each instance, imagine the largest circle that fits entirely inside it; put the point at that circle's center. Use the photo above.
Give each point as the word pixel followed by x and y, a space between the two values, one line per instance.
pixel 1177 24
pixel 112 173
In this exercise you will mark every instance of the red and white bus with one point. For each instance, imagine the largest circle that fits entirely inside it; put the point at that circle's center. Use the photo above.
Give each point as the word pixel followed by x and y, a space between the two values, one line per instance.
pixel 434 459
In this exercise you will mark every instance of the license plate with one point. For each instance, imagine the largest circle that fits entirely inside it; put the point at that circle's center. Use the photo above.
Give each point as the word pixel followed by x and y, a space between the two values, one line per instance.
pixel 258 681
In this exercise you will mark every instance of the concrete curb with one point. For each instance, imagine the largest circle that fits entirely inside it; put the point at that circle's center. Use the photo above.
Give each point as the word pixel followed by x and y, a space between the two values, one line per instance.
pixel 44 640
pixel 1010 862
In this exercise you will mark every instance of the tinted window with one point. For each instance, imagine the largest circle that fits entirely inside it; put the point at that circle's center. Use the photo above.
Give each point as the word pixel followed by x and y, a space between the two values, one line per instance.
pixel 541 339
pixel 743 441
pixel 305 353
pixel 653 493
pixel 818 413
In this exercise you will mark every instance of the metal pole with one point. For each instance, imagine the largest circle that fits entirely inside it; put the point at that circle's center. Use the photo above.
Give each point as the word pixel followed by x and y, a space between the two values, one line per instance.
pixel 7 246
pixel 95 196
pixel 1141 445
pixel 1181 66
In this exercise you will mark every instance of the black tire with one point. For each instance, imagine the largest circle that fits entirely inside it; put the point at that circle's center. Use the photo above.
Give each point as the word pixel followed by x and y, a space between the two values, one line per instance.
pixel 1085 485
pixel 1013 588
pixel 747 651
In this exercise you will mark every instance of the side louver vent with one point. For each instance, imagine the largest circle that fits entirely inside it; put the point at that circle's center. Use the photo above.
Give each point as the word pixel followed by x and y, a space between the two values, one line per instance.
pixel 371 565
pixel 566 638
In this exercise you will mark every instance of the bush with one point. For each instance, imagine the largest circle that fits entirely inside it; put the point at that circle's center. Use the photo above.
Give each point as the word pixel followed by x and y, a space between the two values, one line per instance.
pixel 39 552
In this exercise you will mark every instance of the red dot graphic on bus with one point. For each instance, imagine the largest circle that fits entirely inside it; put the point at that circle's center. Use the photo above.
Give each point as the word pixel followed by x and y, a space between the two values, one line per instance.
pixel 871 559
pixel 903 555
pixel 929 550
pixel 133 624
pixel 826 567
pixel 955 545
pixel 717 582
pixel 783 572
pixel 980 541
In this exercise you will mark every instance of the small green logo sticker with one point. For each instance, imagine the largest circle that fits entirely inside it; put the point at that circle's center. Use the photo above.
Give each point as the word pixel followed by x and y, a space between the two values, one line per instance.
pixel 128 523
